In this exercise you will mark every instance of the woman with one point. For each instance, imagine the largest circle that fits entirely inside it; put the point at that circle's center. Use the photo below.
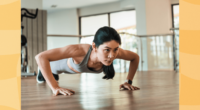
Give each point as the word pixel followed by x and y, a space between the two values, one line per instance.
pixel 95 58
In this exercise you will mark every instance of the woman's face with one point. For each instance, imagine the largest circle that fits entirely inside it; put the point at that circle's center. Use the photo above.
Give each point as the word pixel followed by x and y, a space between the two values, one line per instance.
pixel 107 52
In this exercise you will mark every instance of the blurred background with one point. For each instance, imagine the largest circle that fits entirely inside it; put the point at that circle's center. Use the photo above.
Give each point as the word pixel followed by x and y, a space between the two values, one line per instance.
pixel 149 28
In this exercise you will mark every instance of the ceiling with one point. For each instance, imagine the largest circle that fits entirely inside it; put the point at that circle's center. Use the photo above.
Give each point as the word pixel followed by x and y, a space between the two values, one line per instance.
pixel 61 4
pixel 73 3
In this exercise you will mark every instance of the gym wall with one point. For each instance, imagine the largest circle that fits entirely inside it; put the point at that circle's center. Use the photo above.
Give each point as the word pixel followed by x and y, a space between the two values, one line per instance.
pixel 35 31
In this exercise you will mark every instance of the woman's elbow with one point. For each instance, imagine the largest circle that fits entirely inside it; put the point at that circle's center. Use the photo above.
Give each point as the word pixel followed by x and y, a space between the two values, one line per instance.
pixel 136 57
pixel 37 57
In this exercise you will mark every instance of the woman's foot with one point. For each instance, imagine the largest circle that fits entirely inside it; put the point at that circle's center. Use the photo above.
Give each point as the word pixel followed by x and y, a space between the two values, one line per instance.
pixel 40 78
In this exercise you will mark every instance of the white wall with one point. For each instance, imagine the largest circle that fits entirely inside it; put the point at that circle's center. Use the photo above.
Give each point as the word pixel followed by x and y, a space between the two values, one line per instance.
pixel 102 8
pixel 31 4
pixel 174 1
pixel 62 22
pixel 158 16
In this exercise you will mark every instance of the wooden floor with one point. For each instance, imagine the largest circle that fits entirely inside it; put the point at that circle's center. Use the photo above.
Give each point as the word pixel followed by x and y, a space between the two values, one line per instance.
pixel 158 91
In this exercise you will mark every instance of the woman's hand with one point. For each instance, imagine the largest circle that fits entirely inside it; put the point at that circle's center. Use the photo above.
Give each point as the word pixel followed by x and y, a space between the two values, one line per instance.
pixel 128 86
pixel 63 91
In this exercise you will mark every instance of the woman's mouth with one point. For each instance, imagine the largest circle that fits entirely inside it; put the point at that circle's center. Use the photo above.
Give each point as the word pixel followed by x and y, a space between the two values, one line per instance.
pixel 108 61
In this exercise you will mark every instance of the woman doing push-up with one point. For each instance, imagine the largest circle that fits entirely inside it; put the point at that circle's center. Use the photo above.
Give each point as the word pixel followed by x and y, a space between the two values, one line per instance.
pixel 95 58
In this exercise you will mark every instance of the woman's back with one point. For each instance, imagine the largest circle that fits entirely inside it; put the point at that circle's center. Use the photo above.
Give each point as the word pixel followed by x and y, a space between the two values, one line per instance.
pixel 80 64
pixel 77 51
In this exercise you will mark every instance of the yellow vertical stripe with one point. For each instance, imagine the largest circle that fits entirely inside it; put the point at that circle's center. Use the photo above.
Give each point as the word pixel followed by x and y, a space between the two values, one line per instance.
pixel 10 35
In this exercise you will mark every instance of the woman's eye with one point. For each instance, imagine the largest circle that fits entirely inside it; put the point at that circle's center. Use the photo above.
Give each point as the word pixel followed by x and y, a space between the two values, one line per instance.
pixel 116 50
pixel 107 50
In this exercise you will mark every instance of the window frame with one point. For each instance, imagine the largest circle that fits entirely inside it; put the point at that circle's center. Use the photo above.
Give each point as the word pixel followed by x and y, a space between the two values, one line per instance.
pixel 172 11
pixel 108 13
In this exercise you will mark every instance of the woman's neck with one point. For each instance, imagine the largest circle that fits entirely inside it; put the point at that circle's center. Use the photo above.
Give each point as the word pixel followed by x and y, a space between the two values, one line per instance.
pixel 94 59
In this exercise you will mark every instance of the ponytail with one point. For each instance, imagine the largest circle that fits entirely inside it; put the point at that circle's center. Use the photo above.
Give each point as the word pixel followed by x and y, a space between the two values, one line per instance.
pixel 108 71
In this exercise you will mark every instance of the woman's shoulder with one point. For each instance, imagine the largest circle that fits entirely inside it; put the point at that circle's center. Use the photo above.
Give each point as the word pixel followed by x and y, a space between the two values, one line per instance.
pixel 84 47
pixel 81 49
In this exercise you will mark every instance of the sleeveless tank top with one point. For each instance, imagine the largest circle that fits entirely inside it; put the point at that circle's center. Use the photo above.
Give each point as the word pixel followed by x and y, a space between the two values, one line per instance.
pixel 60 66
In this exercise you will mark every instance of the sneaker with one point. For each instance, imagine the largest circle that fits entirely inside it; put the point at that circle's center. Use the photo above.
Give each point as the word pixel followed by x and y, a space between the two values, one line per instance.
pixel 40 78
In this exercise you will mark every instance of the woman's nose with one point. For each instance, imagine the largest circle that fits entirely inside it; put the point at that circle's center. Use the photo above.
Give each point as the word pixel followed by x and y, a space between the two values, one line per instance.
pixel 111 55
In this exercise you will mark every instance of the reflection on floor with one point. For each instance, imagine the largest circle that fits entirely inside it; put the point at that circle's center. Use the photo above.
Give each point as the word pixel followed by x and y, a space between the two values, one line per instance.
pixel 158 91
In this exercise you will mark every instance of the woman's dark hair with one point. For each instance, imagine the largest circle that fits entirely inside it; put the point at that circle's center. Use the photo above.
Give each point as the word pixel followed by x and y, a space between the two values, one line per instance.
pixel 106 34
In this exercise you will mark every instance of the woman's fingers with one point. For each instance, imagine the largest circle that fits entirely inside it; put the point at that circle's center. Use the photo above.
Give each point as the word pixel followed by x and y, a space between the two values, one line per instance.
pixel 136 88
pixel 121 86
pixel 132 88
pixel 68 91
pixel 71 90
pixel 128 87
pixel 62 92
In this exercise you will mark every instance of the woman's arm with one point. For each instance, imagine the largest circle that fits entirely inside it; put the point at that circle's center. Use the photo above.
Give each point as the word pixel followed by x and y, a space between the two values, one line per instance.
pixel 43 60
pixel 134 61
pixel 44 65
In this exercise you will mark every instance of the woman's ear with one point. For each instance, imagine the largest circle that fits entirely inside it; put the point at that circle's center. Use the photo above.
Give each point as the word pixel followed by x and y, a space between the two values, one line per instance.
pixel 94 47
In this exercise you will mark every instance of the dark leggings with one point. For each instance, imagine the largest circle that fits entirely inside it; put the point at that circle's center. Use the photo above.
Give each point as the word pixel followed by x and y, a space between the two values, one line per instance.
pixel 55 75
